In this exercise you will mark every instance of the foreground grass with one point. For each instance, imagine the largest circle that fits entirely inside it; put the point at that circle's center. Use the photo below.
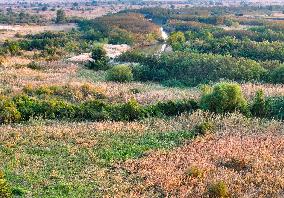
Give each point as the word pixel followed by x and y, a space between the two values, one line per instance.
pixel 150 158
pixel 62 160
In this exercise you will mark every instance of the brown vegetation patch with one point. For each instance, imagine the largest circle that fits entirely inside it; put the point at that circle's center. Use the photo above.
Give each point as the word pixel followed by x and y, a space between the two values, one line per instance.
pixel 252 164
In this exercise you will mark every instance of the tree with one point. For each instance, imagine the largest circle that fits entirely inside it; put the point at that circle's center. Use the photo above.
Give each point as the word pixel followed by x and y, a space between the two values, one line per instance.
pixel 60 16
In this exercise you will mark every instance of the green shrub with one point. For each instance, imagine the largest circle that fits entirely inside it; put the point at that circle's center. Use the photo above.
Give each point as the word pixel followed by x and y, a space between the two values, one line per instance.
pixel 8 111
pixel 34 65
pixel 97 65
pixel 195 172
pixel 129 111
pixel 177 40
pixel 95 110
pixel 218 190
pixel 225 97
pixel 99 59
pixel 28 107
pixel 259 106
pixel 276 107
pixel 58 109
pixel 120 73
pixel 204 128
pixel 277 75
pixel 19 191
pixel 171 108
pixel 183 68
pixel 5 191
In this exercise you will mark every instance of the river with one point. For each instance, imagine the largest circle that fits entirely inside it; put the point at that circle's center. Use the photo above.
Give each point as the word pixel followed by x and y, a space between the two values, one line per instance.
pixel 165 38
pixel 158 47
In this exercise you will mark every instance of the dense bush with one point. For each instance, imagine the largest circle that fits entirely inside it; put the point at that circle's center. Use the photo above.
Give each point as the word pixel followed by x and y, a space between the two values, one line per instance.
pixel 24 107
pixel 259 106
pixel 58 109
pixel 276 107
pixel 33 65
pixel 267 107
pixel 11 17
pixel 28 107
pixel 277 75
pixel 204 128
pixel 177 40
pixel 99 59
pixel 120 73
pixel 94 110
pixel 121 28
pixel 170 108
pixel 223 98
pixel 260 51
pixel 193 68
pixel 129 111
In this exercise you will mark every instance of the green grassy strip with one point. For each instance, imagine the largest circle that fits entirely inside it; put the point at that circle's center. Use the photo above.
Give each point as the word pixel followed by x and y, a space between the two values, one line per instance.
pixel 121 147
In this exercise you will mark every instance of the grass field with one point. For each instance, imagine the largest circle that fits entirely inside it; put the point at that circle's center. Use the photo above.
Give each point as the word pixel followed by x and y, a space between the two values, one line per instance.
pixel 47 159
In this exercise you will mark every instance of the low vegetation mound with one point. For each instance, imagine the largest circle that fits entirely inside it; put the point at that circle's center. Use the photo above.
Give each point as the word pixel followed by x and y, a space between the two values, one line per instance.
pixel 224 98
pixel 120 73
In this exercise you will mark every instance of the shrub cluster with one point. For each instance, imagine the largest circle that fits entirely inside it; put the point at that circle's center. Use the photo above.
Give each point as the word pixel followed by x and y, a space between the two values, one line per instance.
pixel 120 73
pixel 240 48
pixel 24 107
pixel 193 68
pixel 228 97
pixel 218 190
pixel 99 59
pixel 121 28
pixel 223 98
pixel 12 17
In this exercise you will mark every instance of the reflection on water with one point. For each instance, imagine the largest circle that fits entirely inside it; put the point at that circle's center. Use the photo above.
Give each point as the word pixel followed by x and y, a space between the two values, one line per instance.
pixel 158 47
pixel 164 34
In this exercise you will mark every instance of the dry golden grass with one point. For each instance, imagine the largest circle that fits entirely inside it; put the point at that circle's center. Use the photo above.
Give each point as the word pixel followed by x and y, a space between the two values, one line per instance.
pixel 245 154
pixel 250 89
pixel 17 78
pixel 11 30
